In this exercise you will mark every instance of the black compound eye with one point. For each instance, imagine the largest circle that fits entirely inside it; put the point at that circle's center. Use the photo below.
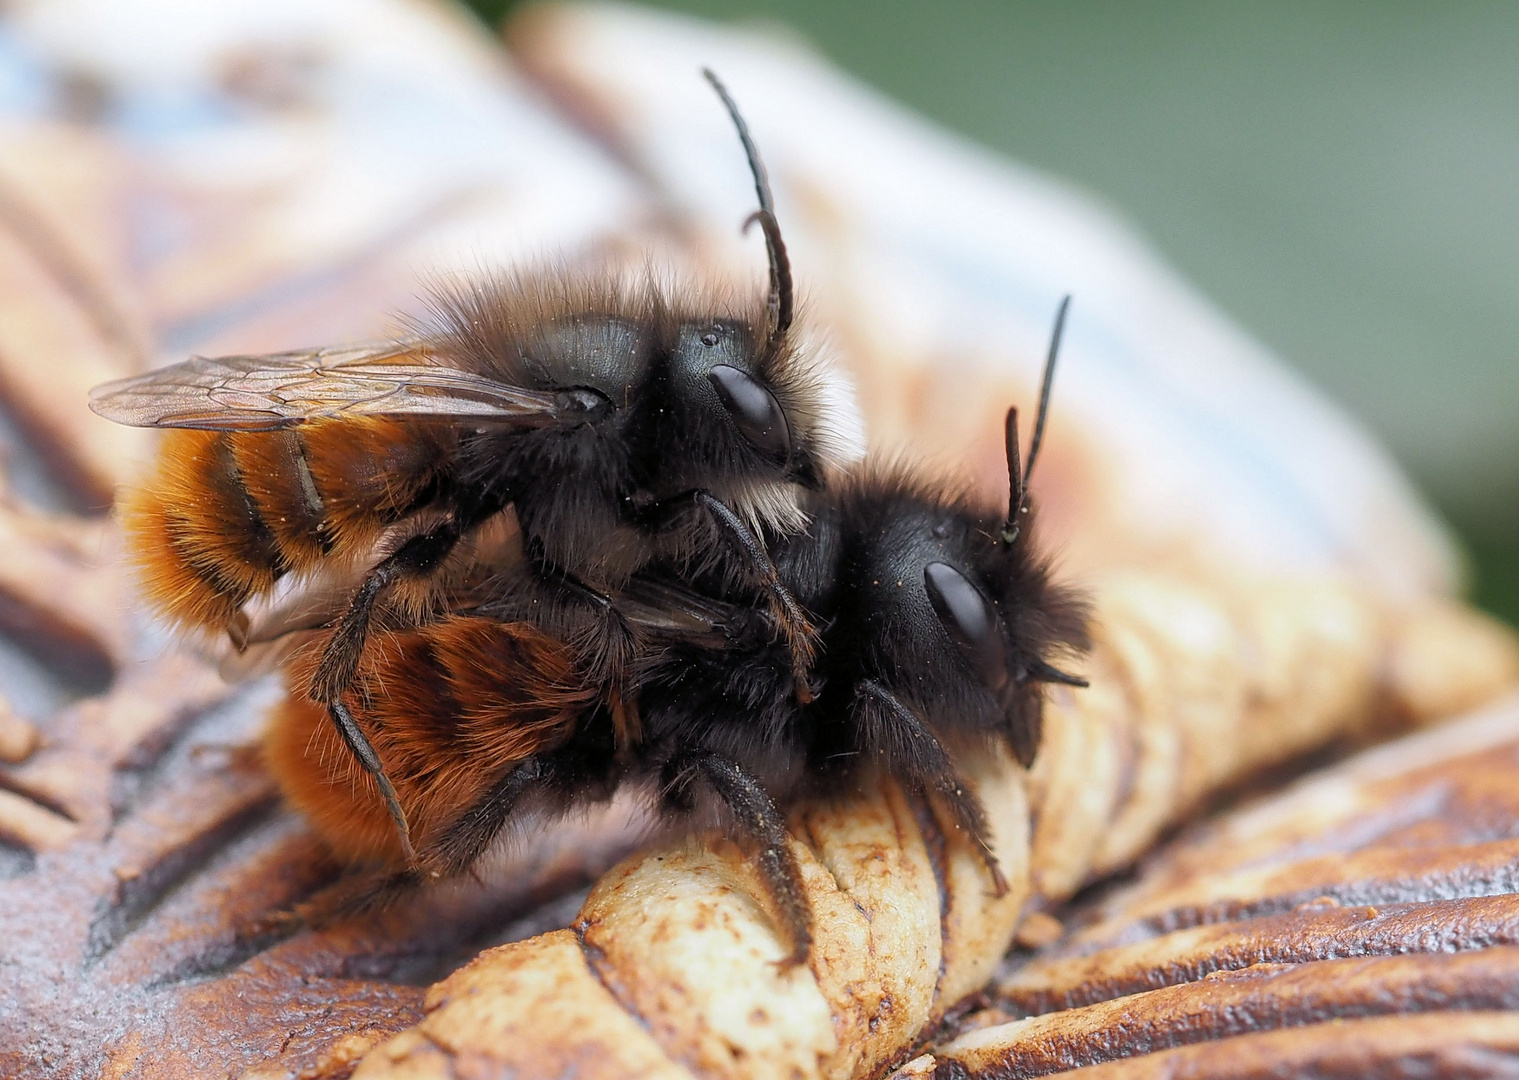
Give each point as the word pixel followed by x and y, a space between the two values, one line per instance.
pixel 755 411
pixel 969 619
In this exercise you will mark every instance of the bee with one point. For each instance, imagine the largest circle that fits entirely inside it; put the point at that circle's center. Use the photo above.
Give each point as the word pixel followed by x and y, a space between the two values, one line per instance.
pixel 621 424
pixel 942 623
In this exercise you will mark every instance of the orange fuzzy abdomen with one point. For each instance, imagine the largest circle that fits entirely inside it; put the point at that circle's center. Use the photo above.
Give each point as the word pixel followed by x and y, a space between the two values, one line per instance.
pixel 449 708
pixel 223 515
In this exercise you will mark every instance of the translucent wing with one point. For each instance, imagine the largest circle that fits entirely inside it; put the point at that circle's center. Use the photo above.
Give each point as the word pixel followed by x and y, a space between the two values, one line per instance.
pixel 671 613
pixel 261 393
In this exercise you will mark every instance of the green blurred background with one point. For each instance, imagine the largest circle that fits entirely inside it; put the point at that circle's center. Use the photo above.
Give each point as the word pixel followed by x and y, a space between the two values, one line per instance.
pixel 1341 177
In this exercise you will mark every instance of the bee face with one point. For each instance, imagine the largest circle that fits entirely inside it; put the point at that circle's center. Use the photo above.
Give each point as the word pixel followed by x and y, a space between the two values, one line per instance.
pixel 938 634
pixel 717 376
pixel 970 620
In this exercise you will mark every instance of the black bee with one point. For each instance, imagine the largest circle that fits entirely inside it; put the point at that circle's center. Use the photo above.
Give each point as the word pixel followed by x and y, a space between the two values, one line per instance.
pixel 941 623
pixel 622 424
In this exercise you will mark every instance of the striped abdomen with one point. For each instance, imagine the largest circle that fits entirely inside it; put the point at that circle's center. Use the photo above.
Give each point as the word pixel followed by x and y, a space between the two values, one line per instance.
pixel 224 515
pixel 449 707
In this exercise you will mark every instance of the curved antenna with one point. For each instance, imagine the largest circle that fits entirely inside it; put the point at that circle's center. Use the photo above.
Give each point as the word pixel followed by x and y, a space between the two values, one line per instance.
pixel 780 303
pixel 1018 482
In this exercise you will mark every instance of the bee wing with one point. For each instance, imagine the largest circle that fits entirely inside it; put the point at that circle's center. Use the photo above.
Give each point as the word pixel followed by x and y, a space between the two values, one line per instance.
pixel 261 393
pixel 674 614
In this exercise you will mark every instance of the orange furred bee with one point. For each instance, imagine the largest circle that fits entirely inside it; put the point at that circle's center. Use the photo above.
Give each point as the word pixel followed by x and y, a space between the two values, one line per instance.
pixel 621 426
pixel 450 707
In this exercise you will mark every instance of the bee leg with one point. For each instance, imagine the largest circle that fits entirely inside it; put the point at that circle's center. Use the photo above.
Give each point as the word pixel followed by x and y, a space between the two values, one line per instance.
pixel 605 643
pixel 607 650
pixel 453 853
pixel 457 849
pixel 460 846
pixel 340 659
pixel 757 815
pixel 789 616
pixel 919 760
pixel 785 610
pixel 363 751
pixel 419 555
pixel 355 895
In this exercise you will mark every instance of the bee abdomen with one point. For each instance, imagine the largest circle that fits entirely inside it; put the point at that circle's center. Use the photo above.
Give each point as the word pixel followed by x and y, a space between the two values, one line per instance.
pixel 226 514
pixel 277 475
pixel 365 474
pixel 449 708
pixel 200 538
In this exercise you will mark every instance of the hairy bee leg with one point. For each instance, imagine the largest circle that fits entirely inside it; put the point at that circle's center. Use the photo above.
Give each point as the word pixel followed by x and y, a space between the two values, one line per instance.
pixel 916 757
pixel 795 626
pixel 454 853
pixel 340 659
pixel 361 748
pixel 801 636
pixel 756 813
pixel 463 843
pixel 611 660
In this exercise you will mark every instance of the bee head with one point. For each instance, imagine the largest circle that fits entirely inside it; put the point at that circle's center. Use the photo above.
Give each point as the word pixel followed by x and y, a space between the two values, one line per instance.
pixel 964 619
pixel 938 612
pixel 1008 622
pixel 749 405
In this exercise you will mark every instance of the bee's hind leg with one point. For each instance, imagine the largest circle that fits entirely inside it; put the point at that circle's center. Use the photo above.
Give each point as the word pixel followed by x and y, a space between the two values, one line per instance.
pixel 340 659
pixel 461 845
pixel 578 771
pixel 755 812
pixel 452 854
pixel 364 753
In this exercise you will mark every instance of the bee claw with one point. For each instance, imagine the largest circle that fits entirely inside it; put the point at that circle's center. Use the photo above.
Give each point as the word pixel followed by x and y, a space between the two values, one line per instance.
pixel 239 629
pixel 808 689
pixel 796 958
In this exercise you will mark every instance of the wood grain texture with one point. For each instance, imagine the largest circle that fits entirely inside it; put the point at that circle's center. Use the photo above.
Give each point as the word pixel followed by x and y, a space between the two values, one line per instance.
pixel 680 938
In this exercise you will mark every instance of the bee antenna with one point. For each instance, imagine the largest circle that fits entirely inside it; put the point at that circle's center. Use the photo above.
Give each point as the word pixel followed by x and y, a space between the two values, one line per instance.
pixel 1014 477
pixel 780 303
pixel 1018 482
pixel 1040 671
